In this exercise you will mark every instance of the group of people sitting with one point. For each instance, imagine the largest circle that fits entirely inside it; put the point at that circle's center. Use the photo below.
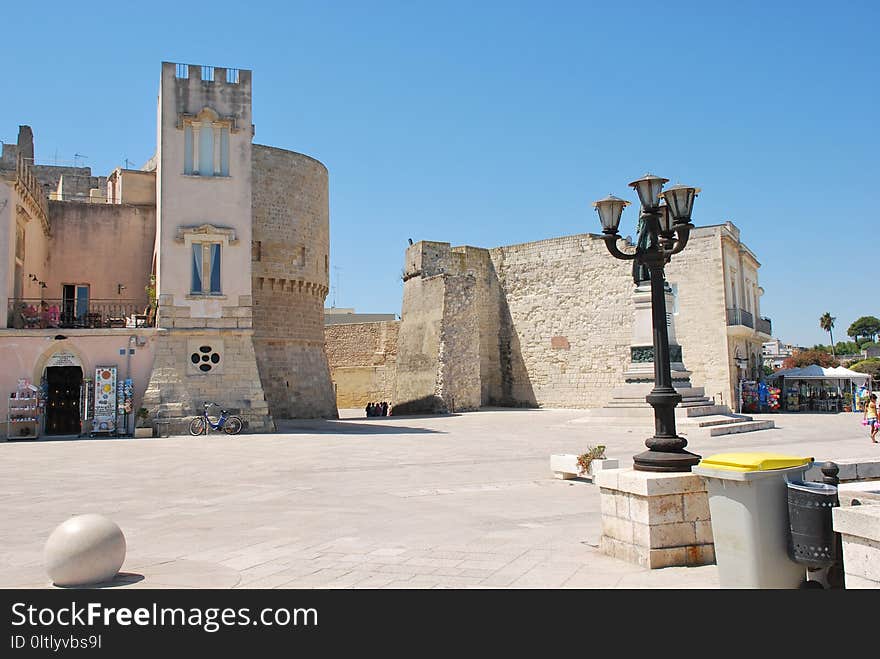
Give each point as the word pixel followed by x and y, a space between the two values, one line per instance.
pixel 378 409
pixel 42 316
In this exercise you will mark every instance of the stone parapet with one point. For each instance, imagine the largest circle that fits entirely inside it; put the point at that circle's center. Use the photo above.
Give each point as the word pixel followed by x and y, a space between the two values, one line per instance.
pixel 859 528
pixel 655 519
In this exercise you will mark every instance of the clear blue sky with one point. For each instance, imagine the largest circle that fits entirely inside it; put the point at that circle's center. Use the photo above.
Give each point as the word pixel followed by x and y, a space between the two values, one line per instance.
pixel 493 123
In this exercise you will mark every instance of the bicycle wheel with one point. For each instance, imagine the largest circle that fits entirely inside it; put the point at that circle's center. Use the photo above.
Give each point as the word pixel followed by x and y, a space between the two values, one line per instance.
pixel 197 426
pixel 233 425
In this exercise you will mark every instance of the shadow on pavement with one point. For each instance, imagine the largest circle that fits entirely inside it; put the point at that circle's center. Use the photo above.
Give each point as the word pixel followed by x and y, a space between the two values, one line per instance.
pixel 121 579
pixel 333 427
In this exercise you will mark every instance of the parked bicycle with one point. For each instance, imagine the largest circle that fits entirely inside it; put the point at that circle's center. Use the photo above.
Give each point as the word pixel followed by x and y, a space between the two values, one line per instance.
pixel 230 424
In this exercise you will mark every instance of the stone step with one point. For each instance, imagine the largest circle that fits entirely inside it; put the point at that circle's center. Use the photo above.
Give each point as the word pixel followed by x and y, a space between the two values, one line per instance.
pixel 716 420
pixel 706 410
pixel 744 426
pixel 640 402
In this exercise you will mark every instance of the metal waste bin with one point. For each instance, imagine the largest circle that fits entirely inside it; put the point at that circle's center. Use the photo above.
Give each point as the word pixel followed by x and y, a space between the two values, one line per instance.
pixel 748 505
pixel 812 541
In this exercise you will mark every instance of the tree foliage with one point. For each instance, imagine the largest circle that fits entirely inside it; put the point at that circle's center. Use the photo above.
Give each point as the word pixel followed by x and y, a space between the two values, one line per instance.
pixel 826 322
pixel 803 358
pixel 866 327
pixel 870 366
pixel 846 348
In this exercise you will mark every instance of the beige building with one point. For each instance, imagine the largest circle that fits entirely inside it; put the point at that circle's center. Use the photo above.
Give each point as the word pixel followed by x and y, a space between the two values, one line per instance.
pixel 200 277
pixel 550 324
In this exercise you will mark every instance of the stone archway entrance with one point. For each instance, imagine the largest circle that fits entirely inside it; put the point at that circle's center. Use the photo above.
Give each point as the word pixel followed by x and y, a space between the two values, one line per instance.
pixel 61 372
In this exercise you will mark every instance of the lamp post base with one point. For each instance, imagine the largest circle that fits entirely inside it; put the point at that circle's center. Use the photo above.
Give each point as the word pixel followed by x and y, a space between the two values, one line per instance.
pixel 668 461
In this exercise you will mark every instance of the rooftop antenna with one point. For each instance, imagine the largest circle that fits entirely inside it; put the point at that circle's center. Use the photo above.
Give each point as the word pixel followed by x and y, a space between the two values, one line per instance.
pixel 336 270
pixel 127 163
pixel 77 155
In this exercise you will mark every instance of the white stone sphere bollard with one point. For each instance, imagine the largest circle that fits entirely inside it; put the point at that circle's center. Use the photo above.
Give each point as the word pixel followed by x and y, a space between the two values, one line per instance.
pixel 84 550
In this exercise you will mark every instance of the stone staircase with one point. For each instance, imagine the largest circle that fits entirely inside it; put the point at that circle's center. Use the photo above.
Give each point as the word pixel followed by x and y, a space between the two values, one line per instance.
pixel 695 412
pixel 717 420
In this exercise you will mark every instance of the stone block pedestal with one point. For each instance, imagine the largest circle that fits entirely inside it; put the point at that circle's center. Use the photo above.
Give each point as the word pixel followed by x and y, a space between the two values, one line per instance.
pixel 565 466
pixel 655 519
pixel 859 528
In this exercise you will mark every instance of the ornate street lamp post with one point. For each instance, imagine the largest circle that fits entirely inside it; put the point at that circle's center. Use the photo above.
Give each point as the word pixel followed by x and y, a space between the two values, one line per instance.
pixel 665 229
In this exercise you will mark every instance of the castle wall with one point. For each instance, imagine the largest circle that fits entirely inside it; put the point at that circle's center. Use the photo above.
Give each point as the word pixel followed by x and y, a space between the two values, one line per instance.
pixel 458 381
pixel 554 319
pixel 418 345
pixel 566 325
pixel 363 362
pixel 290 261
pixel 438 364
pixel 489 311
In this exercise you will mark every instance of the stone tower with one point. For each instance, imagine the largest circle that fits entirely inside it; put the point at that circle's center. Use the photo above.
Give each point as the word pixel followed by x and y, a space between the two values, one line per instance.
pixel 203 262
pixel 291 265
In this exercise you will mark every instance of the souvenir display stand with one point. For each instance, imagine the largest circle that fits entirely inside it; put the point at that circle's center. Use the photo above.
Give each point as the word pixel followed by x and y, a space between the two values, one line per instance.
pixel 124 403
pixel 105 419
pixel 25 412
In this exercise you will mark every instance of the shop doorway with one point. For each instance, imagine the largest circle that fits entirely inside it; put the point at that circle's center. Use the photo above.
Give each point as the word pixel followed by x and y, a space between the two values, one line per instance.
pixel 62 403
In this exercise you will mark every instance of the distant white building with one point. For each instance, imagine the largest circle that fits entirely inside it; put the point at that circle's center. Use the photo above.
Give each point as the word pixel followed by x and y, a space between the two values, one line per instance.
pixel 775 352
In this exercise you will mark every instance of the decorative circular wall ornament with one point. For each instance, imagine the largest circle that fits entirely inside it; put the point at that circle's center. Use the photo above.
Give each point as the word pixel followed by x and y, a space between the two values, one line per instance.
pixel 205 359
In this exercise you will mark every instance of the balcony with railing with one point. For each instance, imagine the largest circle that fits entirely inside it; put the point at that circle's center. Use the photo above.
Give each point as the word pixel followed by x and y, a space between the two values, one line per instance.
pixel 764 326
pixel 36 313
pixel 740 317
pixel 740 323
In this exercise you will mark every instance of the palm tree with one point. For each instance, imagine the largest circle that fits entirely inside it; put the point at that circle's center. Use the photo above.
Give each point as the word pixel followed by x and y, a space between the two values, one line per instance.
pixel 826 322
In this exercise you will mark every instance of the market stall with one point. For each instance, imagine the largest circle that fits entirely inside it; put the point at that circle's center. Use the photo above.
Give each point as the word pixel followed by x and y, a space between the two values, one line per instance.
pixel 818 389
pixel 758 396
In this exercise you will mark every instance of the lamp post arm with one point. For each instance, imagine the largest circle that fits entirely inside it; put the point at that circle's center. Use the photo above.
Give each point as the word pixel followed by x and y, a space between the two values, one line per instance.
pixel 684 233
pixel 611 244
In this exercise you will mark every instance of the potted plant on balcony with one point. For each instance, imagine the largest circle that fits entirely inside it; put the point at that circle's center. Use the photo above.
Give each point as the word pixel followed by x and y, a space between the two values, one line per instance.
pixel 143 427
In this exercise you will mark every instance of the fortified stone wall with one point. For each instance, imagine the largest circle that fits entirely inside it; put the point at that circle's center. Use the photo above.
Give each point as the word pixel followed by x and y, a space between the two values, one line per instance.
pixel 363 361
pixel 290 265
pixel 489 309
pixel 458 378
pixel 548 323
pixel 102 245
pixel 566 323
pixel 418 345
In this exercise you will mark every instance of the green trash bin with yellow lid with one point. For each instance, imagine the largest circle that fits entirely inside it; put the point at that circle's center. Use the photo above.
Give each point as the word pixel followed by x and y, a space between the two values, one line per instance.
pixel 748 504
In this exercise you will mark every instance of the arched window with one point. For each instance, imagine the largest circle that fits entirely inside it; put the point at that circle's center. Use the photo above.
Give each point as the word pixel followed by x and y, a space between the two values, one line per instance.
pixel 206 144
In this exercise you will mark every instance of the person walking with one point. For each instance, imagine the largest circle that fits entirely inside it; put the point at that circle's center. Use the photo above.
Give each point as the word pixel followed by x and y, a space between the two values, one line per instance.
pixel 369 409
pixel 871 416
pixel 384 408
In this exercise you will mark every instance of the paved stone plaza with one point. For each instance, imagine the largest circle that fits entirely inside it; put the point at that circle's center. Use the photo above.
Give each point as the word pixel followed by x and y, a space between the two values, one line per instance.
pixel 391 502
